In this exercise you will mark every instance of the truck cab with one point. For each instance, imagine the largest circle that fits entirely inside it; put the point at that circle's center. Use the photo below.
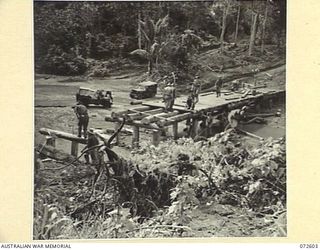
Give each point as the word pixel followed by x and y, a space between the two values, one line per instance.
pixel 144 90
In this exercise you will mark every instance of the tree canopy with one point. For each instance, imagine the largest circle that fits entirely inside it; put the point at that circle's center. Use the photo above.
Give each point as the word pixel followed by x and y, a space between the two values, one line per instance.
pixel 67 34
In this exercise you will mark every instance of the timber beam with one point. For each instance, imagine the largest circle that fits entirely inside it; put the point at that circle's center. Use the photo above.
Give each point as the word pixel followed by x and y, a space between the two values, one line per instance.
pixel 174 119
pixel 157 117
pixel 133 123
pixel 62 135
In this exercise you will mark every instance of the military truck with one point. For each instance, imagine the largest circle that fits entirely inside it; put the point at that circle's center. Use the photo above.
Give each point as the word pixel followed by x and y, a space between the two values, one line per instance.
pixel 97 97
pixel 144 90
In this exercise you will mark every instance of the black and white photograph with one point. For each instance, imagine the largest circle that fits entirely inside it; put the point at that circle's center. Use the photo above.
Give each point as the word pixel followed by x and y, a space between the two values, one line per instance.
pixel 159 119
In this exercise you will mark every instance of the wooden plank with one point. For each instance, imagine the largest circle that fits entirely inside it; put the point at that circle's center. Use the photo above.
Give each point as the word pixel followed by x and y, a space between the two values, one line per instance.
pixel 232 98
pixel 62 135
pixel 207 93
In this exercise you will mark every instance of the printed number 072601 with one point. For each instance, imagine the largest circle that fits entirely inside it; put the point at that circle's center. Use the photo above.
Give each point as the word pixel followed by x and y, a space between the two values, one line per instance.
pixel 308 245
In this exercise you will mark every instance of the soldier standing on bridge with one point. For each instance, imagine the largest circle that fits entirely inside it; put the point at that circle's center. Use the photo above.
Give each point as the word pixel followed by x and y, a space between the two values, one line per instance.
pixel 83 118
pixel 167 96
pixel 195 91
pixel 173 95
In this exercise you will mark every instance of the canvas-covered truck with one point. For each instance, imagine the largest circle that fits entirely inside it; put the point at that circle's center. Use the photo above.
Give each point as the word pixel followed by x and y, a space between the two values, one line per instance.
pixel 97 97
pixel 144 90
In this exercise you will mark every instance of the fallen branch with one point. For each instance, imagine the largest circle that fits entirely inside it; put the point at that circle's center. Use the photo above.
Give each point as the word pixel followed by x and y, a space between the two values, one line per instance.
pixel 249 134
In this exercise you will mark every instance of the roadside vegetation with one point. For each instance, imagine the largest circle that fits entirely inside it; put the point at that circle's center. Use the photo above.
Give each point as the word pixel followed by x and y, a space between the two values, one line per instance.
pixel 226 185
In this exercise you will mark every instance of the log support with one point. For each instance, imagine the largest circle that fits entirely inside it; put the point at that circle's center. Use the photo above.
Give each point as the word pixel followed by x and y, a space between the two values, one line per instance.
pixel 175 131
pixel 156 137
pixel 116 127
pixel 74 148
pixel 51 141
pixel 135 136
pixel 194 127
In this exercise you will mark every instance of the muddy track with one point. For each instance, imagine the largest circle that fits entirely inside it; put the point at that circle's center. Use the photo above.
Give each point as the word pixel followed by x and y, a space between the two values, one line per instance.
pixel 228 79
pixel 50 106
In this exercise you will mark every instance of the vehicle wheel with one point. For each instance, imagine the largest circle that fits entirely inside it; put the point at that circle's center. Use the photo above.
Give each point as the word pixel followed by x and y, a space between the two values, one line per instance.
pixel 106 105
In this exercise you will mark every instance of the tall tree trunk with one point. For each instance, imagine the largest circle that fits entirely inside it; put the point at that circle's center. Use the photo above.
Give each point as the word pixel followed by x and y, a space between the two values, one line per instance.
pixel 253 33
pixel 224 23
pixel 150 65
pixel 237 25
pixel 264 27
pixel 139 30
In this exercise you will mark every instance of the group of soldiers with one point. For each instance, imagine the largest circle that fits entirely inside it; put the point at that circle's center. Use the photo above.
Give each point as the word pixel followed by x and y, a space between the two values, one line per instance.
pixel 169 93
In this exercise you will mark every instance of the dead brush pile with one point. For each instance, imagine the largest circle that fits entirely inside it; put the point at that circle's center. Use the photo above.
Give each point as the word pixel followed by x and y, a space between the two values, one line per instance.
pixel 153 193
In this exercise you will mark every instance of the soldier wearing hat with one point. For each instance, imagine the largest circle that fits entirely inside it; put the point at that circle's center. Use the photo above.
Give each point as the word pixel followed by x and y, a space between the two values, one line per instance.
pixel 173 96
pixel 167 96
pixel 195 91
pixel 83 118
pixel 235 116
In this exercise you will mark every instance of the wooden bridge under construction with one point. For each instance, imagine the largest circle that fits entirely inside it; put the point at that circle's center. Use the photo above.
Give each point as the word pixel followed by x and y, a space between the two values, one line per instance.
pixel 151 115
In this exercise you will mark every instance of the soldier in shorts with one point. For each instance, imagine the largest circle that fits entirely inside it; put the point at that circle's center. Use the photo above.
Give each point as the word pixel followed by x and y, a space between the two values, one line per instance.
pixel 83 118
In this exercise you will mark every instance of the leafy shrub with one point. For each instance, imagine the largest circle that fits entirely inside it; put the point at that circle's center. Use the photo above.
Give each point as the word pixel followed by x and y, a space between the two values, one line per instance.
pixel 63 64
